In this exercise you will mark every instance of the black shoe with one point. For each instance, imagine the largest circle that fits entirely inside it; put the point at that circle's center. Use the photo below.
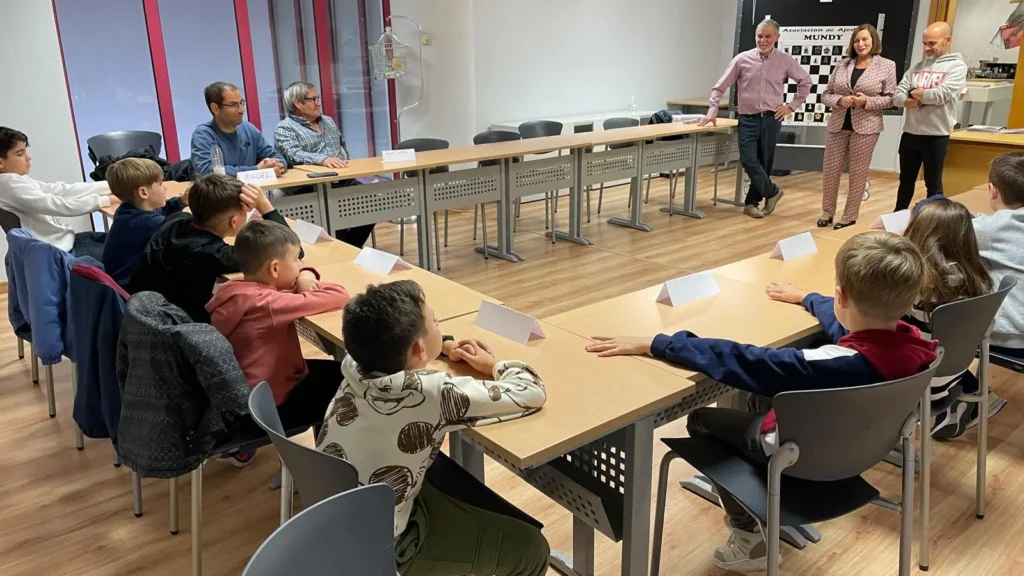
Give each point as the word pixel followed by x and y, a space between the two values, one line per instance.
pixel 841 225
pixel 824 223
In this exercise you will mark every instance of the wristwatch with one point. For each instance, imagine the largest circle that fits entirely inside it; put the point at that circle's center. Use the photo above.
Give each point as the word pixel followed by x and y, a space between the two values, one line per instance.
pixel 446 338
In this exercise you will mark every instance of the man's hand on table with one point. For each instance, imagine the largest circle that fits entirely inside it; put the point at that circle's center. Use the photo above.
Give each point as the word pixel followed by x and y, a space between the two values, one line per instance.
pixel 704 120
pixel 605 346
pixel 337 163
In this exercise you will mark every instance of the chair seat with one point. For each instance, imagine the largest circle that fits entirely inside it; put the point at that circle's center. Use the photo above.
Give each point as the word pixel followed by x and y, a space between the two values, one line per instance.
pixel 802 502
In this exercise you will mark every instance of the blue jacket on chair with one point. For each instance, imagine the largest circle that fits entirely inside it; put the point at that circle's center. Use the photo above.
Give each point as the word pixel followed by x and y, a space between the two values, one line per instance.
pixel 96 307
pixel 38 275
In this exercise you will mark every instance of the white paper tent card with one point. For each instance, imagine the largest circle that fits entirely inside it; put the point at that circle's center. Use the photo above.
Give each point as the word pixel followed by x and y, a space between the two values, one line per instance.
pixel 688 288
pixel 508 323
pixel 795 247
pixel 391 156
pixel 264 176
pixel 895 222
pixel 310 233
pixel 380 262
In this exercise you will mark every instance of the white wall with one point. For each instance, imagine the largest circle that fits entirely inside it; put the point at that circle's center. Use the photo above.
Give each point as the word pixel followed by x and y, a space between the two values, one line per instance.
pixel 35 98
pixel 493 60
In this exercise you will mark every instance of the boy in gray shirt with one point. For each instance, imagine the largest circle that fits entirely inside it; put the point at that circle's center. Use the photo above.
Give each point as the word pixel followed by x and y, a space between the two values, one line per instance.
pixel 1001 243
pixel 929 91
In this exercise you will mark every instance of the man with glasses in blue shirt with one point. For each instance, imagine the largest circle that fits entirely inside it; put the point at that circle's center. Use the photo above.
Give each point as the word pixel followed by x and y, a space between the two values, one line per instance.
pixel 307 136
pixel 242 144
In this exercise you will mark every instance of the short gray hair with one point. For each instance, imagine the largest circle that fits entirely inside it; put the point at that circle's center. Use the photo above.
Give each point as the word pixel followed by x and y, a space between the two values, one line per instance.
pixel 296 91
pixel 769 22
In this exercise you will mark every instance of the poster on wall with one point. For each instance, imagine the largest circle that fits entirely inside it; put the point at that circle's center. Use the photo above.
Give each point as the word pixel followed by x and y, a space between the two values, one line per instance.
pixel 818 50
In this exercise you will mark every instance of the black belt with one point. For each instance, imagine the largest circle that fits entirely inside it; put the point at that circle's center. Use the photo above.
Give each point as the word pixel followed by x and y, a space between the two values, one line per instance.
pixel 759 115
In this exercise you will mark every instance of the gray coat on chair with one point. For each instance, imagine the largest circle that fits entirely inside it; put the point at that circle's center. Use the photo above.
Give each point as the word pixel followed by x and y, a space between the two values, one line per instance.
pixel 182 390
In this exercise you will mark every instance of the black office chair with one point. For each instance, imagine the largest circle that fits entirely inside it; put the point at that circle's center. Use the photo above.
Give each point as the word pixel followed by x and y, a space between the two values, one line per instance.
pixel 424 145
pixel 490 137
pixel 122 142
pixel 827 439
pixel 9 221
pixel 350 534
pixel 317 475
pixel 612 124
pixel 542 129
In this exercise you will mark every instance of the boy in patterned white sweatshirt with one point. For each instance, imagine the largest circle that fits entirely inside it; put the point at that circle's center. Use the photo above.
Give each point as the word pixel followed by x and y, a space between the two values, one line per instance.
pixel 390 418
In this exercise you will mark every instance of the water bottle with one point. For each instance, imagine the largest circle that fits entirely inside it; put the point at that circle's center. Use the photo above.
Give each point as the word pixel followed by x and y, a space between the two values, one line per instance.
pixel 217 155
pixel 632 103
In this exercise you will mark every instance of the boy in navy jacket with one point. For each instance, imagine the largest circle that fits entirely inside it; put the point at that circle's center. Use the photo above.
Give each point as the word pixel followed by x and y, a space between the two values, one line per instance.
pixel 139 185
pixel 878 278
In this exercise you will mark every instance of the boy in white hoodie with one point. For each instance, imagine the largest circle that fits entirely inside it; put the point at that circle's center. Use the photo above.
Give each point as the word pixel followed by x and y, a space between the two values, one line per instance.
pixel 390 418
pixel 40 205
pixel 929 91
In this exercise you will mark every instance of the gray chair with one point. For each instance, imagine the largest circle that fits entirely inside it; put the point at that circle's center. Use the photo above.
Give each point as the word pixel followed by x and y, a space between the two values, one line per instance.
pixel 424 145
pixel 491 137
pixel 542 129
pixel 317 475
pixel 122 142
pixel 827 439
pixel 962 327
pixel 612 124
pixel 350 534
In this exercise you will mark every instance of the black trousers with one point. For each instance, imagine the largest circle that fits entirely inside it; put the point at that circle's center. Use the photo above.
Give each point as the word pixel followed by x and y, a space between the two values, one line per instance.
pixel 758 136
pixel 915 151
pixel 741 430
pixel 353 236
pixel 307 403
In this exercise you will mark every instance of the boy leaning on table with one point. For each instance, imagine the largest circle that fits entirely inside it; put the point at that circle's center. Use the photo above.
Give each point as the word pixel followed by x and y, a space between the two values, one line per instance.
pixel 391 416
pixel 878 279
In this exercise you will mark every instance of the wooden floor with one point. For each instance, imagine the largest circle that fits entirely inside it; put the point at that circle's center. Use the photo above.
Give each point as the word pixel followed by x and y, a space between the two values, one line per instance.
pixel 69 513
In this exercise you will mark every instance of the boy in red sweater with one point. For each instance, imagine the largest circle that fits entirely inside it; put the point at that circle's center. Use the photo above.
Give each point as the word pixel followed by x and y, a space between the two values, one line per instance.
pixel 257 315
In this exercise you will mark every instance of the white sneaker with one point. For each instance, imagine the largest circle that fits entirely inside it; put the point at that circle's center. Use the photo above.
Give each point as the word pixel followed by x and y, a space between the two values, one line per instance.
pixel 744 552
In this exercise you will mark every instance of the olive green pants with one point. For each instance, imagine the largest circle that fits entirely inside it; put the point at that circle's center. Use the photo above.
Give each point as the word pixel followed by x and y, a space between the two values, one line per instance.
pixel 446 537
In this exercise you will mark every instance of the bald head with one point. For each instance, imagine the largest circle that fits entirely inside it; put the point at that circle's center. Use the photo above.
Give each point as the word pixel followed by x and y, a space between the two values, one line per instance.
pixel 937 39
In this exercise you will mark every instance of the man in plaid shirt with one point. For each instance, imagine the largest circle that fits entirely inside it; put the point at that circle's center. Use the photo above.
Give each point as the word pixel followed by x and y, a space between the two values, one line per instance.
pixel 306 136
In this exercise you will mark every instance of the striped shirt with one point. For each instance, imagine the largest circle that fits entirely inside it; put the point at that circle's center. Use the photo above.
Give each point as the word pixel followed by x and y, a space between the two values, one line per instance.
pixel 761 82
pixel 300 143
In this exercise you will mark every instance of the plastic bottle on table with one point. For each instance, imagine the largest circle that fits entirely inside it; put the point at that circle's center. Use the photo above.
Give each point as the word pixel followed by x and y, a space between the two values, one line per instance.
pixel 217 156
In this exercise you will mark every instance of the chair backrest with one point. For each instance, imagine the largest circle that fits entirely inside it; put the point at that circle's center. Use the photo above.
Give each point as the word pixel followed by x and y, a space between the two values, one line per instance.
pixel 960 326
pixel 424 145
pixel 318 475
pixel 350 534
pixel 842 432
pixel 122 142
pixel 613 123
pixel 540 128
pixel 9 220
pixel 494 136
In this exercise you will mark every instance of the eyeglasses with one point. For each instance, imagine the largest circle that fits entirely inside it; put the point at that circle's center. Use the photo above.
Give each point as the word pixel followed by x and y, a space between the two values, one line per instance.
pixel 239 104
pixel 317 99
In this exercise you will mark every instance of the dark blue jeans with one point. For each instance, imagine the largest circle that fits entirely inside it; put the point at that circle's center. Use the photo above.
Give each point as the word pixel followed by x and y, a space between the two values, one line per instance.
pixel 89 244
pixel 758 136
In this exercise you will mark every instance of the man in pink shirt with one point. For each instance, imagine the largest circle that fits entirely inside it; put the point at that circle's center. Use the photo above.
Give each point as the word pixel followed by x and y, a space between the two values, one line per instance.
pixel 760 76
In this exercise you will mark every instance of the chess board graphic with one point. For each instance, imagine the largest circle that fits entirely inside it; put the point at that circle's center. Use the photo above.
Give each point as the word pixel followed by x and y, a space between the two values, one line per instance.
pixel 818 50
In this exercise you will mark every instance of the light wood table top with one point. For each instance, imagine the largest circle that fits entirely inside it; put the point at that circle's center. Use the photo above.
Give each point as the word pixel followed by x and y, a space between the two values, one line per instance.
pixel 652 131
pixel 970 136
pixel 447 298
pixel 327 253
pixel 568 122
pixel 740 312
pixel 587 397
pixel 814 273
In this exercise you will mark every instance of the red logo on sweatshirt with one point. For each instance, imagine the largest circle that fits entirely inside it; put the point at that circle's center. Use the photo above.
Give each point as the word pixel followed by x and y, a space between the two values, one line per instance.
pixel 927 79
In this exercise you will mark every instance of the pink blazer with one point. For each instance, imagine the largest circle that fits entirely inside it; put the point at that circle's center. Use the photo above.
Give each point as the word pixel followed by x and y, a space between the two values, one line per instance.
pixel 878 83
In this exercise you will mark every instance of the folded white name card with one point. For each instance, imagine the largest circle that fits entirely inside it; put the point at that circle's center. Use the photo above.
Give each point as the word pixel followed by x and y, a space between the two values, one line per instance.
pixel 264 176
pixel 895 222
pixel 508 323
pixel 310 233
pixel 388 156
pixel 795 247
pixel 688 288
pixel 380 262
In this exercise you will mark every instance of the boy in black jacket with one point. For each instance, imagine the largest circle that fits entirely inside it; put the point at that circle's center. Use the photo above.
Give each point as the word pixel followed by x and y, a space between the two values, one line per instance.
pixel 187 255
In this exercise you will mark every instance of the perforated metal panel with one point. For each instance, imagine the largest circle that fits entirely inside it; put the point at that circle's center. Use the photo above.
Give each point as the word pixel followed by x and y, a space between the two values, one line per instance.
pixel 667 156
pixel 311 336
pixel 610 165
pixel 372 203
pixel 307 207
pixel 539 176
pixel 717 149
pixel 708 392
pixel 463 188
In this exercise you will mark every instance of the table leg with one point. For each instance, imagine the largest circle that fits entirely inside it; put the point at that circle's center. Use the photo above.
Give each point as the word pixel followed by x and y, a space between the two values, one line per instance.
pixel 466 454
pixel 582 561
pixel 636 536
pixel 503 249
pixel 423 226
pixel 738 197
pixel 636 194
pixel 575 233
pixel 689 188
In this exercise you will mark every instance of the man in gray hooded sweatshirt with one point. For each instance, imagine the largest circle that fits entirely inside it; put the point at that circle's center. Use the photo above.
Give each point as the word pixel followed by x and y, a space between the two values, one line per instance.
pixel 929 91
